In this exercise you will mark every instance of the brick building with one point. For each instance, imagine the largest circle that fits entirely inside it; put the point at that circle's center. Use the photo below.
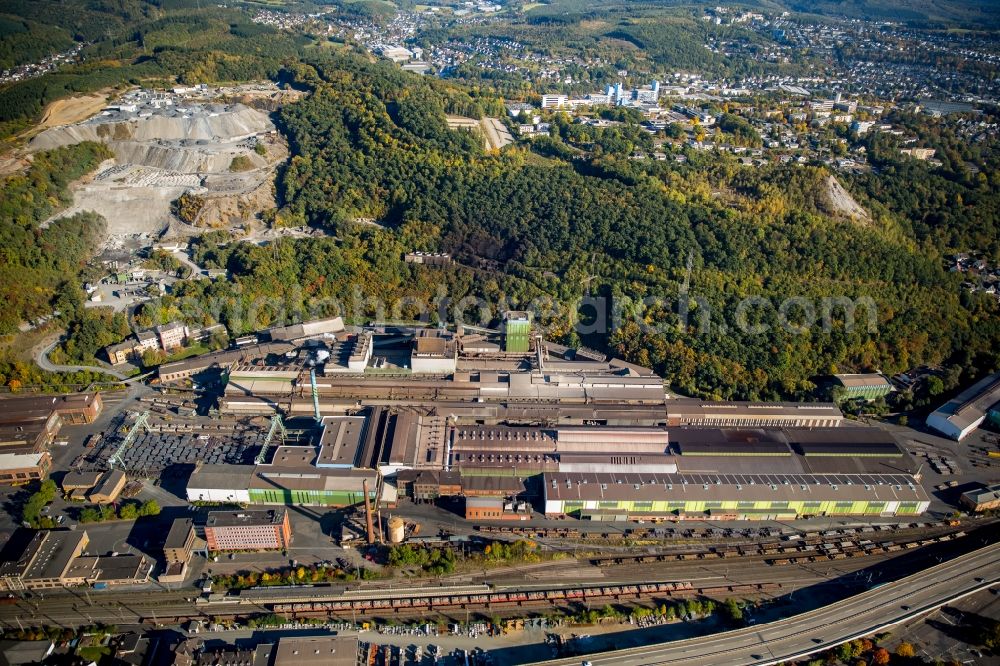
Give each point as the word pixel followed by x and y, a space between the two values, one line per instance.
pixel 17 468
pixel 248 530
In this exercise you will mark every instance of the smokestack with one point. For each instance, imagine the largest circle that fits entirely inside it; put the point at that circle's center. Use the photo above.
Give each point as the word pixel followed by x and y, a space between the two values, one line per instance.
pixel 368 514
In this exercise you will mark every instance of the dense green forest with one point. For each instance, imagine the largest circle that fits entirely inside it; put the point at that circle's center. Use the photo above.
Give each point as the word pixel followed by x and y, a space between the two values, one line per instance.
pixel 571 215
pixel 371 142
pixel 39 267
pixel 974 14
pixel 25 41
pixel 956 205
pixel 967 13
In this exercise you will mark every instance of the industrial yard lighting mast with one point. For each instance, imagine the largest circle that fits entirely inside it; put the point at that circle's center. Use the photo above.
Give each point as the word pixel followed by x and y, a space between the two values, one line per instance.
pixel 141 423
pixel 277 425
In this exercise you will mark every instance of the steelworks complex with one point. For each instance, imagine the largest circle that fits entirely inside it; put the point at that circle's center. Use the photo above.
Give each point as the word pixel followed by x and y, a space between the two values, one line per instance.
pixel 389 413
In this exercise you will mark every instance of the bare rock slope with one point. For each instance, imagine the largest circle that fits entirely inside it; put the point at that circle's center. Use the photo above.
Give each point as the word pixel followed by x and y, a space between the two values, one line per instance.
pixel 841 202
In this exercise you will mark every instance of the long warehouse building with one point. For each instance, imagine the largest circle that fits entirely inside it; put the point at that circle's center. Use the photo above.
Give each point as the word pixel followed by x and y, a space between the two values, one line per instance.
pixel 729 496
pixel 746 474
pixel 958 417
pixel 693 412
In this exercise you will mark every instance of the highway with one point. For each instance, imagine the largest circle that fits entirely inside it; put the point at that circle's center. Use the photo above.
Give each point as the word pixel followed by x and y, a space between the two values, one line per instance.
pixel 808 633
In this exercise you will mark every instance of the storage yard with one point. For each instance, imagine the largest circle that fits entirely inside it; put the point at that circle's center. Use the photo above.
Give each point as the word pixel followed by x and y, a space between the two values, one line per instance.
pixel 153 452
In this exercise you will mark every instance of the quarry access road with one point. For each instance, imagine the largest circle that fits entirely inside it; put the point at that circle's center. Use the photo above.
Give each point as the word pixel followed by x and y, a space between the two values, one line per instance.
pixel 42 359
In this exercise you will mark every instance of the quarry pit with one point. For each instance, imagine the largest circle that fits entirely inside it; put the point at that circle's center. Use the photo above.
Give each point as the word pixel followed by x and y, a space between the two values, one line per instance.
pixel 195 141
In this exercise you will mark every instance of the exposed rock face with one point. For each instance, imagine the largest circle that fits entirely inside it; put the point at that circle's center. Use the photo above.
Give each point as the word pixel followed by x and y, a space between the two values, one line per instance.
pixel 226 210
pixel 841 202
pixel 212 123
pixel 192 159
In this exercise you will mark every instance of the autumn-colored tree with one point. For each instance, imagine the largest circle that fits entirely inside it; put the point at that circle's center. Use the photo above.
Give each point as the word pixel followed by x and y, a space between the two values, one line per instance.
pixel 905 649
pixel 881 657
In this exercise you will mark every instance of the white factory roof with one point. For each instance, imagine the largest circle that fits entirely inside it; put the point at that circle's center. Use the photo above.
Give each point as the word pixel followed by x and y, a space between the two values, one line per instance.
pixel 19 460
pixel 963 413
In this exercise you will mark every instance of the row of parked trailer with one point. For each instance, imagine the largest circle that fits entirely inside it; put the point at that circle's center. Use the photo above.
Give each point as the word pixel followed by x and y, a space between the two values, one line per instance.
pixel 697 533
pixel 791 547
pixel 630 532
pixel 817 545
pixel 844 549
pixel 518 598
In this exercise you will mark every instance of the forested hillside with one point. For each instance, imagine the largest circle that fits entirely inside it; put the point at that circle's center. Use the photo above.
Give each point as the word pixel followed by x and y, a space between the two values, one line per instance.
pixel 25 41
pixel 39 267
pixel 371 142
pixel 975 14
pixel 571 215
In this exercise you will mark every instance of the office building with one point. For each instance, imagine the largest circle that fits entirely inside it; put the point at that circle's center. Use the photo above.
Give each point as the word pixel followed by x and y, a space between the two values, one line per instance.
pixel 41 559
pixel 177 550
pixel 496 508
pixel 28 425
pixel 18 468
pixel 248 530
pixel 554 101
pixel 180 541
pixel 166 338
pixel 325 650
pixel 110 569
pixel 171 336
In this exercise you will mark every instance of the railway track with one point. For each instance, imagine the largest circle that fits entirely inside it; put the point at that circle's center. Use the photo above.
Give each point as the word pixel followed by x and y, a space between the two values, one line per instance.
pixel 497 600
pixel 783 552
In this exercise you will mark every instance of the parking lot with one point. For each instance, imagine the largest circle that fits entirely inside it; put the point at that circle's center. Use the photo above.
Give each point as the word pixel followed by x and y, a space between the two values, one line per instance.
pixel 944 634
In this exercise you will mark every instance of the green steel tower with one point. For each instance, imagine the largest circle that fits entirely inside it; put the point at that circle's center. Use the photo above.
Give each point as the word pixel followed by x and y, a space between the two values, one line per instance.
pixel 517 332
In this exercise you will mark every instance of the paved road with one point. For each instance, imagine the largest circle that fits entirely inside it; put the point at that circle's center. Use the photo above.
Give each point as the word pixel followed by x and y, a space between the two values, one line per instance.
pixel 42 358
pixel 826 627
pixel 197 272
